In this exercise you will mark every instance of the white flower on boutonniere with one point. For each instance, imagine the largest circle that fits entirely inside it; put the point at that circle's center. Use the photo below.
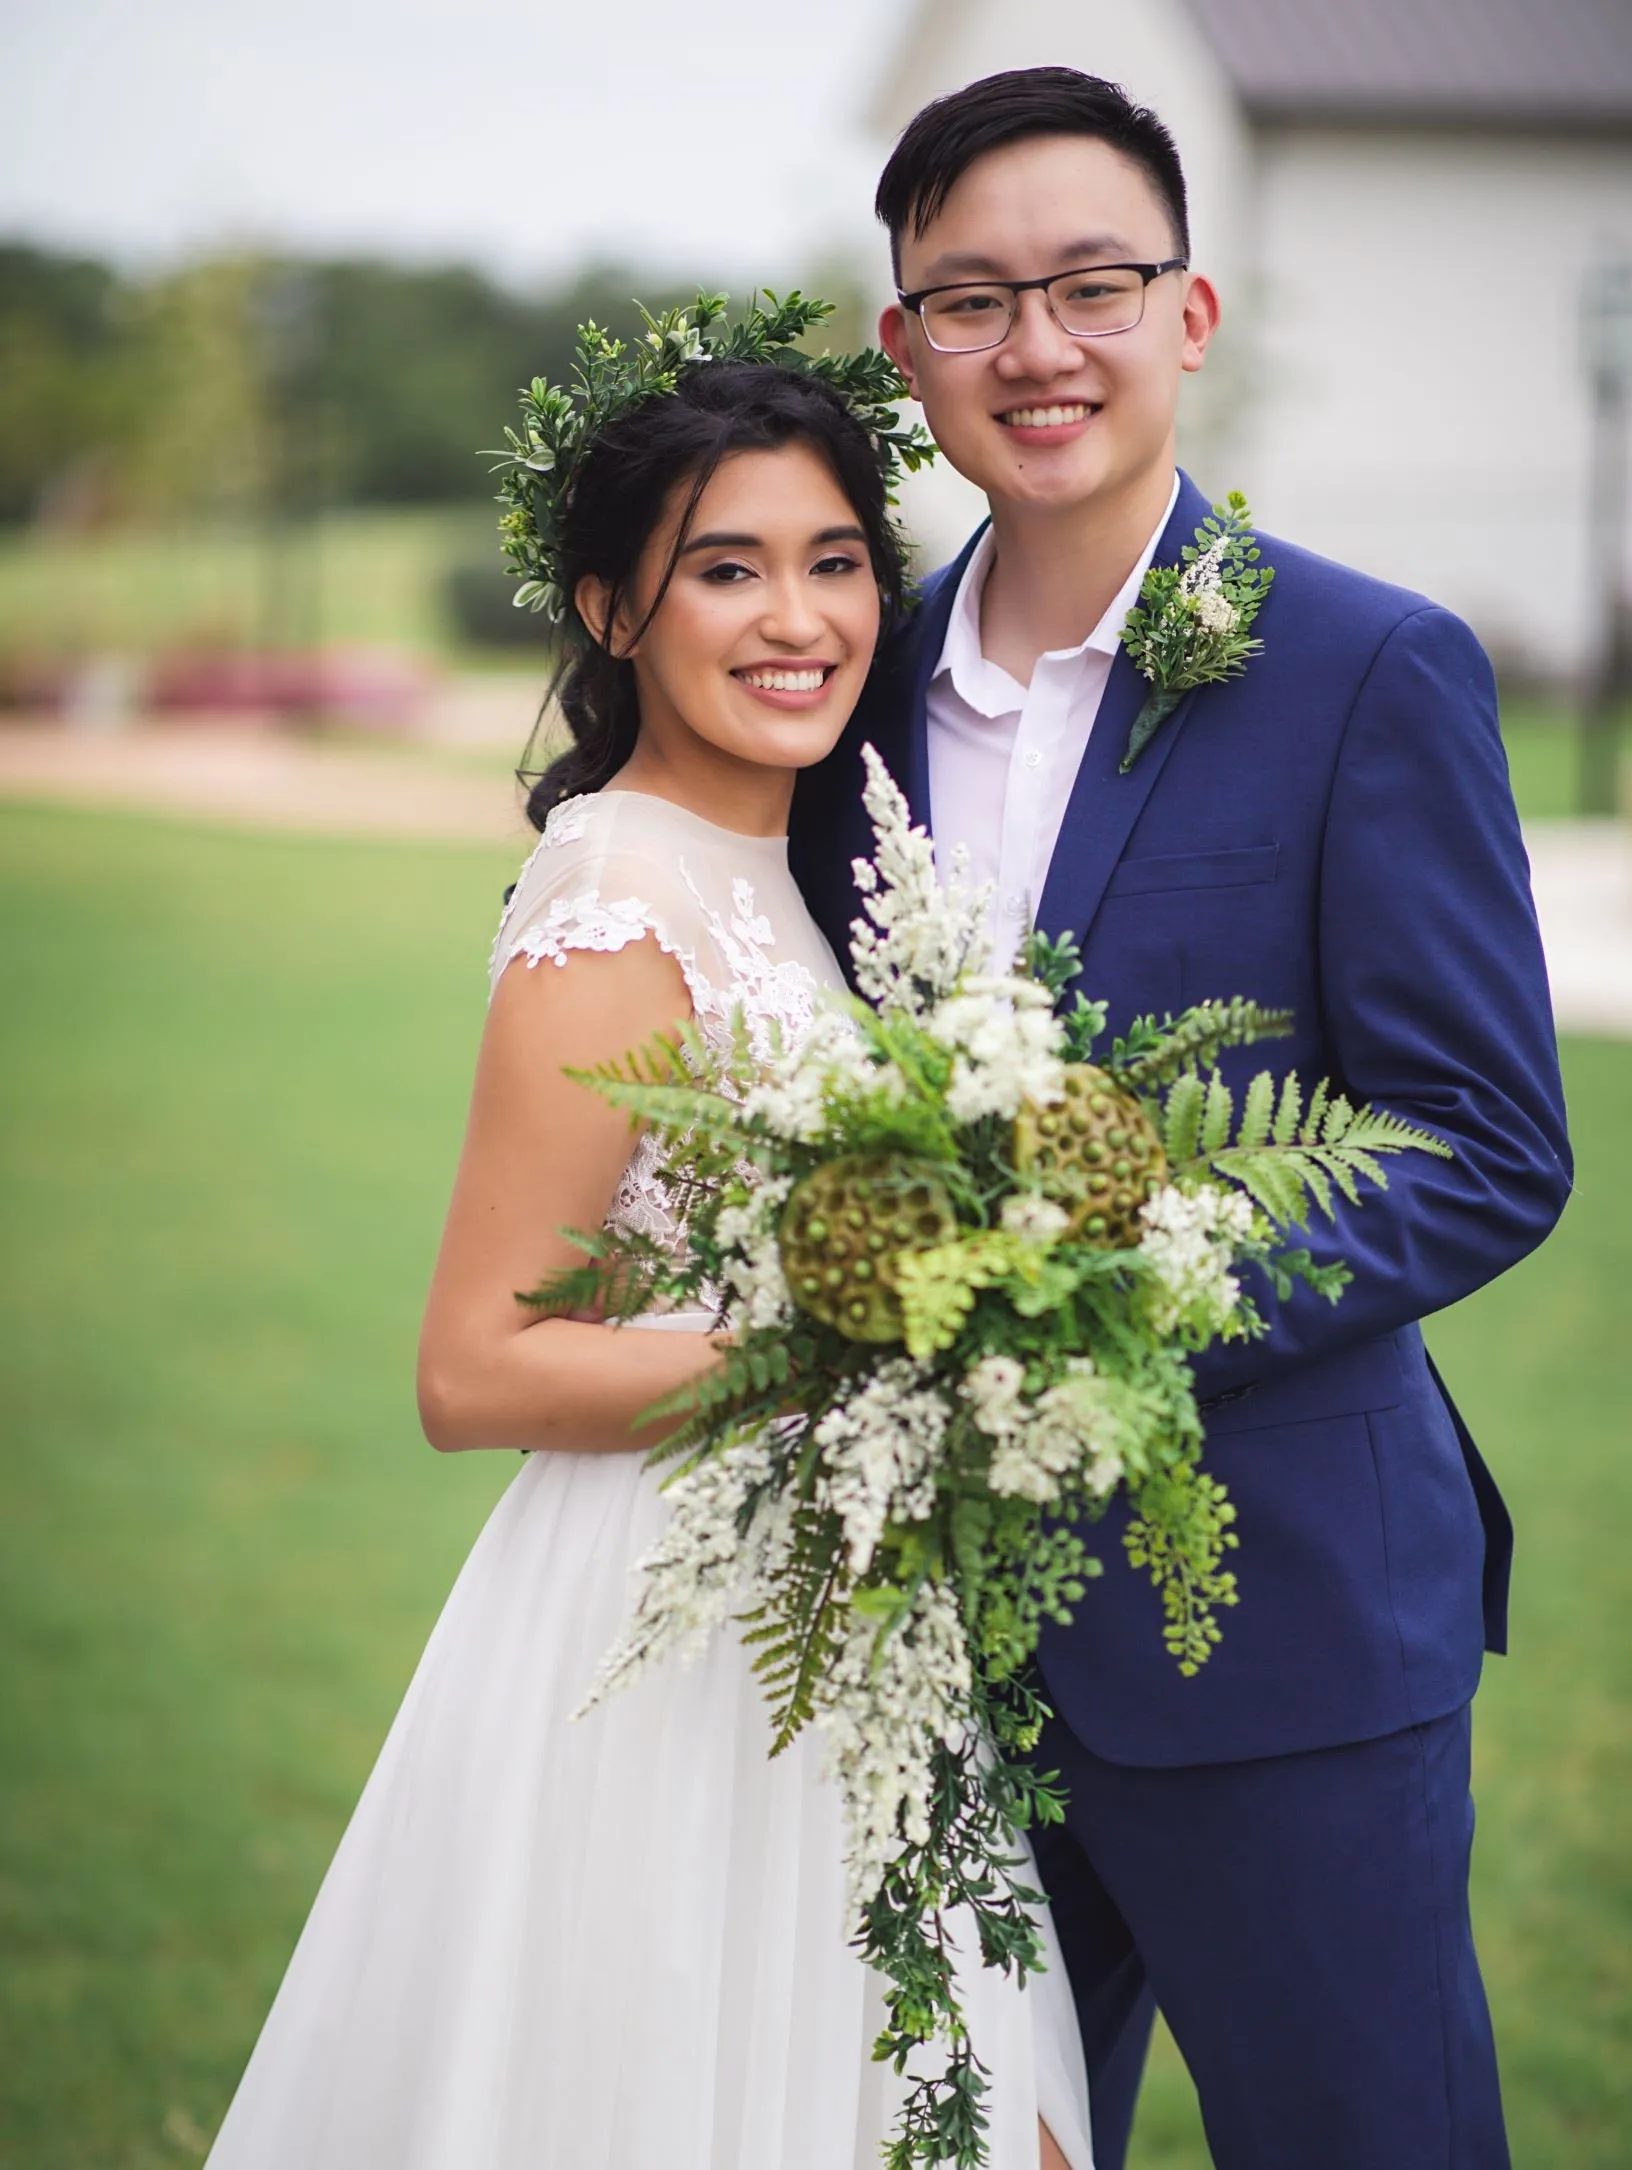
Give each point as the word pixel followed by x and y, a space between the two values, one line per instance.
pixel 1192 626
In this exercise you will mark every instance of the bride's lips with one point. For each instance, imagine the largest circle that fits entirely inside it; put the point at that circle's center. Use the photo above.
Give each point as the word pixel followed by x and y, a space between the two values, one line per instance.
pixel 1049 422
pixel 797 685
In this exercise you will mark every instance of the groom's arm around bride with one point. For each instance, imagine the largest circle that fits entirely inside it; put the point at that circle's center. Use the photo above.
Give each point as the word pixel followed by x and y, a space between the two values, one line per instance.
pixel 1277 1848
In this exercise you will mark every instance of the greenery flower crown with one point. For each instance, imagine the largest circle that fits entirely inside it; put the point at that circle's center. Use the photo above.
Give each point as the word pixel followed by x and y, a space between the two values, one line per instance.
pixel 560 424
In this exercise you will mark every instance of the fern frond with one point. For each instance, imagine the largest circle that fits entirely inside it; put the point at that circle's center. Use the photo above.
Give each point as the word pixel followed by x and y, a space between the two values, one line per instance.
pixel 669 1106
pixel 1257 1111
pixel 1181 1120
pixel 1376 1130
pixel 1290 1108
pixel 1289 1164
pixel 1195 1041
pixel 1269 1180
pixel 1217 1115
pixel 1337 1119
pixel 795 1637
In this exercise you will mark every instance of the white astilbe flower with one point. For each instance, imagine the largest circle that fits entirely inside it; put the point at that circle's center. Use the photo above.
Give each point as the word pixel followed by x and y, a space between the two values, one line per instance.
pixel 701 1570
pixel 1007 1045
pixel 1073 1426
pixel 882 1713
pixel 992 1389
pixel 879 1453
pixel 1202 584
pixel 752 1269
pixel 790 1100
pixel 831 1062
pixel 1205 574
pixel 921 935
pixel 1215 613
pixel 1191 1238
pixel 1034 1219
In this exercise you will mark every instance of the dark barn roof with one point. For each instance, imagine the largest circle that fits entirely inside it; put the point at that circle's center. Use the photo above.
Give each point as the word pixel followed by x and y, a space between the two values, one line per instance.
pixel 1553 63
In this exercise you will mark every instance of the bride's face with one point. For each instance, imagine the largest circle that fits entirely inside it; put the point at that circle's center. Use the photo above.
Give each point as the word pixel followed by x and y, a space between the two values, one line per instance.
pixel 762 642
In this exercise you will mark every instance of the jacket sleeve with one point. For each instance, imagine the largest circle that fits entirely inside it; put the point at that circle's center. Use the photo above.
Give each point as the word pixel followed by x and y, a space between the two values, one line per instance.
pixel 1434 1005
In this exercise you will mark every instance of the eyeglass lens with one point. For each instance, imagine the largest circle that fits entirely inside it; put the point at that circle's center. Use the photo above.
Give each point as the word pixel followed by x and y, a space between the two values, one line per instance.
pixel 1088 304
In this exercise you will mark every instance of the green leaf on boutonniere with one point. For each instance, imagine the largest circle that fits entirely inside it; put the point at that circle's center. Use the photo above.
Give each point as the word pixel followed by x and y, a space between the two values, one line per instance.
pixel 1192 624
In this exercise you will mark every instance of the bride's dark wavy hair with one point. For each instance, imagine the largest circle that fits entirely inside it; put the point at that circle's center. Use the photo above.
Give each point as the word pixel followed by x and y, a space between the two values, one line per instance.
pixel 619 496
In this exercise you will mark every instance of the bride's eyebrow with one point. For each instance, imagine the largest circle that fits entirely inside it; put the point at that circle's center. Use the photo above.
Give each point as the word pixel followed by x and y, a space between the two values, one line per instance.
pixel 720 541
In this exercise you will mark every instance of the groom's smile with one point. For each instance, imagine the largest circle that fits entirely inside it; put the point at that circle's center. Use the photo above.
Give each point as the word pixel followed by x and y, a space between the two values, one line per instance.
pixel 1049 422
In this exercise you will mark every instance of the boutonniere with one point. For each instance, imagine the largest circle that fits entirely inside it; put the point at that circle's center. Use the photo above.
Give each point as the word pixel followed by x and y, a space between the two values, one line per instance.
pixel 1192 623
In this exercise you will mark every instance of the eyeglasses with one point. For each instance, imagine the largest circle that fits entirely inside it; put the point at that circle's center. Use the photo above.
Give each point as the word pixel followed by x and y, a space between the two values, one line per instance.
pixel 1089 304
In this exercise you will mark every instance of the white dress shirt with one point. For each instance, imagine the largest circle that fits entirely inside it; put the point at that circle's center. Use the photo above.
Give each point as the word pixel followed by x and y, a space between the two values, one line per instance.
pixel 1003 757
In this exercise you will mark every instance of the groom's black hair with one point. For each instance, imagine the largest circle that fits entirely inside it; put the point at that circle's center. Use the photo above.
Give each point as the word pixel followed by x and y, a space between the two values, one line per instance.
pixel 940 143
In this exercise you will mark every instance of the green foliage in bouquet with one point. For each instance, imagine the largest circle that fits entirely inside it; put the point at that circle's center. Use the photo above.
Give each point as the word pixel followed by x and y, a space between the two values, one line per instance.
pixel 559 423
pixel 964 1268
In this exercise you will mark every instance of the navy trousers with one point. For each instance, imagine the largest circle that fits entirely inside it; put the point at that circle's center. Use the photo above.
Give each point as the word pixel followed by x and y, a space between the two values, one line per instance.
pixel 1302 1921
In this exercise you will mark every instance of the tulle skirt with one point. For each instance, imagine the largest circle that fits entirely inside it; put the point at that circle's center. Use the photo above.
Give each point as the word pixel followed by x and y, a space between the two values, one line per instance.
pixel 610 1943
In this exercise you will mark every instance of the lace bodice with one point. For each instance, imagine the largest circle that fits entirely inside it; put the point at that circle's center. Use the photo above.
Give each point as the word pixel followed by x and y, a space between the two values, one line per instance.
pixel 620 866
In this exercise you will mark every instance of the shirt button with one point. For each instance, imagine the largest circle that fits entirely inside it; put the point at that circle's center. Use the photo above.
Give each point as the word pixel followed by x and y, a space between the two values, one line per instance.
pixel 1034 759
pixel 1015 903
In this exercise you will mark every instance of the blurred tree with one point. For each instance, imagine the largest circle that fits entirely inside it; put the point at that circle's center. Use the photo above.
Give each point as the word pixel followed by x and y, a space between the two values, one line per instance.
pixel 63 400
pixel 199 443
pixel 250 384
pixel 421 368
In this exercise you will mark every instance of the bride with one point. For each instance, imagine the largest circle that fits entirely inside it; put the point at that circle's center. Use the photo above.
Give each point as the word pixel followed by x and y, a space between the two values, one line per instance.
pixel 620 1943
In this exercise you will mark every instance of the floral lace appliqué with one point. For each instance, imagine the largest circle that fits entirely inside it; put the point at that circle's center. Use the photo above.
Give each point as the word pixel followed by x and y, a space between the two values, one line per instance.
pixel 774 996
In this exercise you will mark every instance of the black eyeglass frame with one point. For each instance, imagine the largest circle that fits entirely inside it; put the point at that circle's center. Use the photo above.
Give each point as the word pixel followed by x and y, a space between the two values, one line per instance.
pixel 1016 287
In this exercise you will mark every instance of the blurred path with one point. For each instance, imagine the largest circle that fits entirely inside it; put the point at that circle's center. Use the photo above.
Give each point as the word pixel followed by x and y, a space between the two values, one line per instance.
pixel 1582 871
pixel 269 778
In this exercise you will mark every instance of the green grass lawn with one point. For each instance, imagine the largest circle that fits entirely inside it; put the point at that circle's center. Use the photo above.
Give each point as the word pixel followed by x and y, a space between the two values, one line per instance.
pixel 233 1072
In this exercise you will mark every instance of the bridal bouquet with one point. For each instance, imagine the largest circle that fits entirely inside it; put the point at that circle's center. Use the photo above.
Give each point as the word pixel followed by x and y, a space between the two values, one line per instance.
pixel 962 1266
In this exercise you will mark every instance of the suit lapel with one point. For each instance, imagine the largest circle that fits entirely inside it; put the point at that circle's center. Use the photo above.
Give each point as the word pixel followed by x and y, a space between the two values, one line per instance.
pixel 1104 805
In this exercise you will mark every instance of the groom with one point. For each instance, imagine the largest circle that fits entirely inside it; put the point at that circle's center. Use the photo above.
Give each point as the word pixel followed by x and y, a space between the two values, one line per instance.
pixel 1275 1851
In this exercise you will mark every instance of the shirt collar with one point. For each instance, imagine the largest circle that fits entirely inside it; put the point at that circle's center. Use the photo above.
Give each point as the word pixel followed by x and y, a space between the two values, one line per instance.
pixel 985 685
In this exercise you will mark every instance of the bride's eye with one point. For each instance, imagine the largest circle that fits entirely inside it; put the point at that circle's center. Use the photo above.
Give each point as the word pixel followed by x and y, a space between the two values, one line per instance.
pixel 727 574
pixel 841 562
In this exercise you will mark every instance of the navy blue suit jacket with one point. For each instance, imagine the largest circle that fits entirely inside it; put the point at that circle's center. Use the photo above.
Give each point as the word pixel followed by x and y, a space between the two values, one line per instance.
pixel 1332 833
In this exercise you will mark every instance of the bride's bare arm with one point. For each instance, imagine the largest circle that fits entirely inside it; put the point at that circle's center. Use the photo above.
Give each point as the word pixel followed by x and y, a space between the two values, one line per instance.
pixel 542 1153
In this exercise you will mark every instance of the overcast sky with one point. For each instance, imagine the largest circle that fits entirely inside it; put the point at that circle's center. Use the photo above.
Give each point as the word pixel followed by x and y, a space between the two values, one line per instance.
pixel 528 135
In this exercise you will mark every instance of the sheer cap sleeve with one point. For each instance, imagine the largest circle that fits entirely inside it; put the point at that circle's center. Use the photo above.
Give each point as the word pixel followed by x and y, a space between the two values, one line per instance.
pixel 618 867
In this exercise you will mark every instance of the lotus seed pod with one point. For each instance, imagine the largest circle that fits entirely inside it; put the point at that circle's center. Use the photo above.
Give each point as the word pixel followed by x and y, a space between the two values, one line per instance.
pixel 1100 1149
pixel 843 1228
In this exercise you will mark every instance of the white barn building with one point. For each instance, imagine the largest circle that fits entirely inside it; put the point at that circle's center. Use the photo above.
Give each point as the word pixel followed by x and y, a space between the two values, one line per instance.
pixel 1401 201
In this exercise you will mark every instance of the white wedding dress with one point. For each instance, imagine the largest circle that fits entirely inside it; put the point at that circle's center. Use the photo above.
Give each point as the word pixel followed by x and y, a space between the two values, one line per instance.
pixel 617 1942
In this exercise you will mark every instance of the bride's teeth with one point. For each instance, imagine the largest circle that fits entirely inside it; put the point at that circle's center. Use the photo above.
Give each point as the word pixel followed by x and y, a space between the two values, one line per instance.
pixel 786 681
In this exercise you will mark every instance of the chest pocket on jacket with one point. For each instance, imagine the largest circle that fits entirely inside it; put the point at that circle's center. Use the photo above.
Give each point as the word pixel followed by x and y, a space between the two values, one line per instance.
pixel 1194 870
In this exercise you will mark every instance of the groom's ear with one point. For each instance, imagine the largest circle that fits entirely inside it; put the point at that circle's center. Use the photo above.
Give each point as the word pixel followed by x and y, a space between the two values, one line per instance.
pixel 892 337
pixel 1201 314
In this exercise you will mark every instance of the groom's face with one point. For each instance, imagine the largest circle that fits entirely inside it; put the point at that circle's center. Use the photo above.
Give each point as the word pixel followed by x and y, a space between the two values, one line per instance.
pixel 1044 419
